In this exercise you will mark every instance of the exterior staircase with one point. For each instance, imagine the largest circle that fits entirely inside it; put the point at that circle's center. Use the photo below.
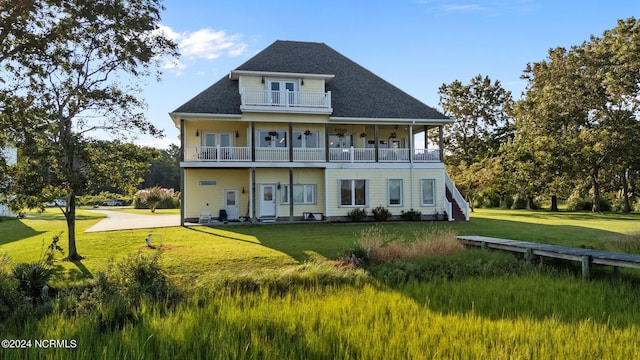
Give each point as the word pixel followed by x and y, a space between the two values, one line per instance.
pixel 459 208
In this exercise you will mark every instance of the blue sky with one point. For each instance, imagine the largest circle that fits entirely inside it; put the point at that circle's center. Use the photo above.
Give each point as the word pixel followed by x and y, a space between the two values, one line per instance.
pixel 417 45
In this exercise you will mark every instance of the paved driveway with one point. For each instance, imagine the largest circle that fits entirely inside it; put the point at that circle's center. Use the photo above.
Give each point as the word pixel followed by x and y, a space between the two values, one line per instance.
pixel 120 220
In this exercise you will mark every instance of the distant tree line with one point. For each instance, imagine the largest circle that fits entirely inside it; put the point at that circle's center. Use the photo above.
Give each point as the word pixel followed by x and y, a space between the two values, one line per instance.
pixel 574 134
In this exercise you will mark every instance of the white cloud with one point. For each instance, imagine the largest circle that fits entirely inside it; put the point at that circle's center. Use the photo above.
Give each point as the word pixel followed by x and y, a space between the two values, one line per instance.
pixel 206 44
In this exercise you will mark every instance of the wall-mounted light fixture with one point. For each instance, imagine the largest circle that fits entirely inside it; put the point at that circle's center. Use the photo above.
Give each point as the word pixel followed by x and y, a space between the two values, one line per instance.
pixel 243 190
pixel 197 132
pixel 263 79
pixel 278 185
pixel 237 134
pixel 301 81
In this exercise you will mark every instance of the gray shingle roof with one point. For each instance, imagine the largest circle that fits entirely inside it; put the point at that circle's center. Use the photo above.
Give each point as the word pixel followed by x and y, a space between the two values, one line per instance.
pixel 355 91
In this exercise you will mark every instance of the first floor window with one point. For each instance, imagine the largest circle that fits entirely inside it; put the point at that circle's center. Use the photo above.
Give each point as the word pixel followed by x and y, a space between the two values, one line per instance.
pixel 395 192
pixel 302 194
pixel 353 192
pixel 428 192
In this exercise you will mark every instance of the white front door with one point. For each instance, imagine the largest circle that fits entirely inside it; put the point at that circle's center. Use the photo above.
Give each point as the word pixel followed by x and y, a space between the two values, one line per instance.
pixel 267 200
pixel 231 204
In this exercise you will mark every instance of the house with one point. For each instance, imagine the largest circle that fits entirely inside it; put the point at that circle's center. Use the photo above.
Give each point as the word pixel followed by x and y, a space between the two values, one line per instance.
pixel 10 156
pixel 301 132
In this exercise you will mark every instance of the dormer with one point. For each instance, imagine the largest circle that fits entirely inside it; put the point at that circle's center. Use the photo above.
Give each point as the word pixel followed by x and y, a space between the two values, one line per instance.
pixel 281 92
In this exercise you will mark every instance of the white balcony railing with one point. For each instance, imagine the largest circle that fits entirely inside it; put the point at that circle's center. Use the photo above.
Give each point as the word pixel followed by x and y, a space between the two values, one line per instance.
pixel 272 154
pixel 251 98
pixel 308 154
pixel 217 153
pixel 393 155
pixel 425 155
pixel 351 154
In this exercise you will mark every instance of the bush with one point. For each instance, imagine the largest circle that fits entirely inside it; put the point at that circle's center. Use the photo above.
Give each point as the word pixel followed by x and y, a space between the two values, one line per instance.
pixel 140 277
pixel 357 214
pixel 411 215
pixel 32 278
pixel 381 213
pixel 578 203
pixel 156 198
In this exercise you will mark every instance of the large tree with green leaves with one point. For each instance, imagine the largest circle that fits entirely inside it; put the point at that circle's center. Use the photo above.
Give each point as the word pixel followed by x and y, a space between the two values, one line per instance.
pixel 580 99
pixel 71 68
pixel 482 113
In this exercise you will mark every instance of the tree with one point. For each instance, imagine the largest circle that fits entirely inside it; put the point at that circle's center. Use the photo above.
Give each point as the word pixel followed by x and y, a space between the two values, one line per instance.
pixel 66 65
pixel 482 114
pixel 165 170
pixel 578 96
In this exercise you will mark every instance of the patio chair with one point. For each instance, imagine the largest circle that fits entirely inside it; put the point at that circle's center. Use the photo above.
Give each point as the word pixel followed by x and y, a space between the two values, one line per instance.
pixel 205 217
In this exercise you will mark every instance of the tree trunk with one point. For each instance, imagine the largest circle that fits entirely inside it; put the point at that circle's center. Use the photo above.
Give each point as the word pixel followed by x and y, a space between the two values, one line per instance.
pixel 595 187
pixel 554 203
pixel 625 192
pixel 71 227
pixel 531 204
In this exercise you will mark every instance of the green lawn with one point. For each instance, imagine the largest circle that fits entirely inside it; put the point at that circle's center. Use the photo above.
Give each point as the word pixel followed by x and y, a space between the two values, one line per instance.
pixel 545 314
pixel 201 252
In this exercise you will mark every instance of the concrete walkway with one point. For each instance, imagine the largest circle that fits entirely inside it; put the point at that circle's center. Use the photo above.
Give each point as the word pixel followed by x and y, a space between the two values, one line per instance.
pixel 120 220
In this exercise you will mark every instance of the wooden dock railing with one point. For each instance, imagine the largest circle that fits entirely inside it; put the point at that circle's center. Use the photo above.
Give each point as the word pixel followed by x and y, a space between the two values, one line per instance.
pixel 530 250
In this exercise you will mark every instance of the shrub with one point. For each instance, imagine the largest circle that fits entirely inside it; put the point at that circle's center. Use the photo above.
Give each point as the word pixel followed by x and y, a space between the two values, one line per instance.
pixel 577 203
pixel 381 213
pixel 411 215
pixel 141 276
pixel 32 278
pixel 357 214
pixel 156 198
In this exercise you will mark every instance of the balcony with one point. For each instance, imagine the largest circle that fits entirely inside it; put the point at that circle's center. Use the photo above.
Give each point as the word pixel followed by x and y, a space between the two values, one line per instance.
pixel 286 101
pixel 352 155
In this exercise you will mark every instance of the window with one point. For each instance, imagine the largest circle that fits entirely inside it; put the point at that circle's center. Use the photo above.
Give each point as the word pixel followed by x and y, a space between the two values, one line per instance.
pixel 280 89
pixel 353 192
pixel 428 192
pixel 210 138
pixel 302 194
pixel 305 139
pixel 271 139
pixel 395 192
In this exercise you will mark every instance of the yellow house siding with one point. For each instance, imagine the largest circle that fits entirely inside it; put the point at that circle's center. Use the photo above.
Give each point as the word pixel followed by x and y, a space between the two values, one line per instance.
pixel 378 194
pixel 251 82
pixel 315 85
pixel 201 198
pixel 300 176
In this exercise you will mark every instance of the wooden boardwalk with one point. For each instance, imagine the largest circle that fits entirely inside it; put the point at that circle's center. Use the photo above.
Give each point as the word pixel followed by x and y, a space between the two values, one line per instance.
pixel 530 250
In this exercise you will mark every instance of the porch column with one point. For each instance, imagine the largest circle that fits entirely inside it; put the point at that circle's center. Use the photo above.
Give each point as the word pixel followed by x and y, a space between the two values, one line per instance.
pixel 290 194
pixel 411 151
pixel 290 142
pixel 426 137
pixel 441 142
pixel 326 142
pixel 182 179
pixel 253 141
pixel 252 194
pixel 376 145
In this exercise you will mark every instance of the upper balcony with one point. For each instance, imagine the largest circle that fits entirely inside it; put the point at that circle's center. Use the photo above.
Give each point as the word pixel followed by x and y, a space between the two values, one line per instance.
pixel 308 102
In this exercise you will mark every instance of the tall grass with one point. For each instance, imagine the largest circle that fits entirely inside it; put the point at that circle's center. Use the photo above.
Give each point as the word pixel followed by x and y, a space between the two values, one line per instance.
pixel 330 322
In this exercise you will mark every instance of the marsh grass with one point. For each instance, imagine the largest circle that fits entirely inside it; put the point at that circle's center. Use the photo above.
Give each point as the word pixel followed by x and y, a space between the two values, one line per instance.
pixel 379 245
pixel 627 243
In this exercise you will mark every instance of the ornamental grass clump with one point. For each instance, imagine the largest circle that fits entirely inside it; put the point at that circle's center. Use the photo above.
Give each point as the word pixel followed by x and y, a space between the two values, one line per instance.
pixel 376 246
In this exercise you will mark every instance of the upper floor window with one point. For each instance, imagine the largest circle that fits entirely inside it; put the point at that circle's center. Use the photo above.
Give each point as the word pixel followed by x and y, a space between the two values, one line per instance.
pixel 305 139
pixel 271 138
pixel 279 88
pixel 210 138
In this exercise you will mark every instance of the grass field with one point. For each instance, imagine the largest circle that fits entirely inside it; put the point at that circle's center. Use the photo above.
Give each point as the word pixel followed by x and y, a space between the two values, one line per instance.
pixel 539 314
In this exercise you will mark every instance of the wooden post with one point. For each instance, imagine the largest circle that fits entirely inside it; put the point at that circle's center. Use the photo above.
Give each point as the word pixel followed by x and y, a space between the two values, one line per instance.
pixel 528 256
pixel 586 267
